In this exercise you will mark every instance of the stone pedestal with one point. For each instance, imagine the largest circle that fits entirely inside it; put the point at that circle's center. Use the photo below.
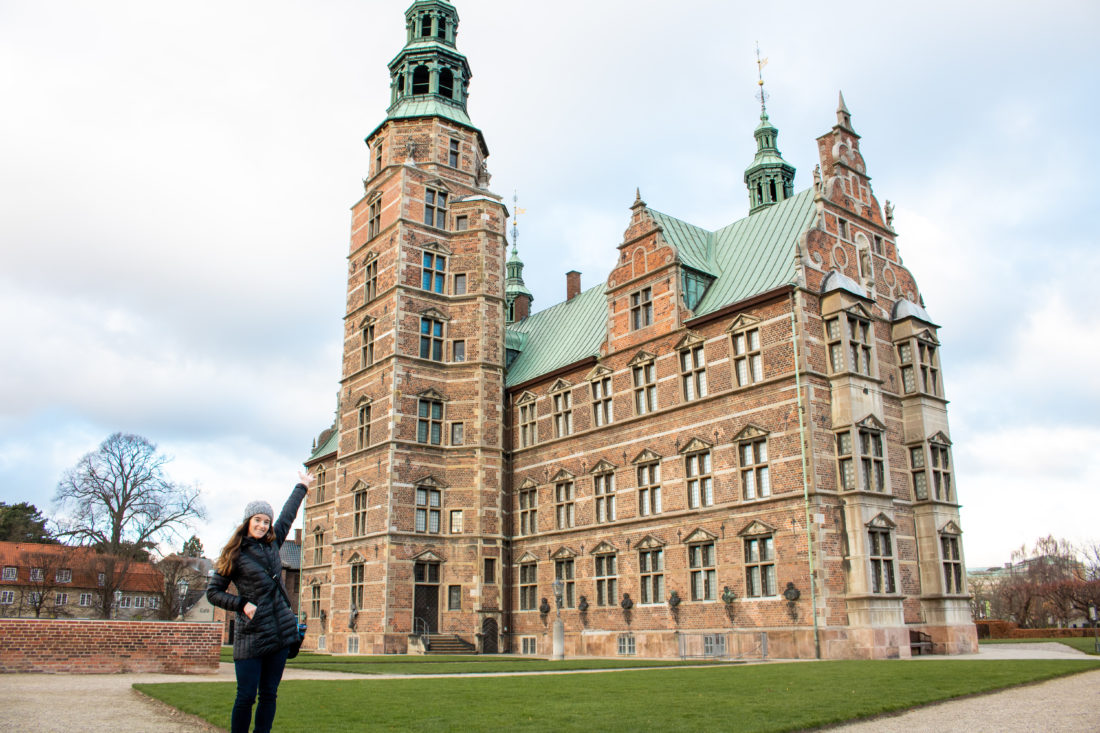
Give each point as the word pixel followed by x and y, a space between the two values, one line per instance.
pixel 559 639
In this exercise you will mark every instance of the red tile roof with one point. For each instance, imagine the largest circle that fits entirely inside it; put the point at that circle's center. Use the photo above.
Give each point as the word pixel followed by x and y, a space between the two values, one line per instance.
pixel 84 562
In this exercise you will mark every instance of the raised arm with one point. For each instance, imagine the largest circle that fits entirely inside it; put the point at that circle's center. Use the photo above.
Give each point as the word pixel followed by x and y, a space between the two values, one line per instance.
pixel 290 509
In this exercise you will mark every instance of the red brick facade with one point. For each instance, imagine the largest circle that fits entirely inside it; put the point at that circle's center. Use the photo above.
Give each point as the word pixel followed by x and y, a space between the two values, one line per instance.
pixel 108 647
pixel 789 433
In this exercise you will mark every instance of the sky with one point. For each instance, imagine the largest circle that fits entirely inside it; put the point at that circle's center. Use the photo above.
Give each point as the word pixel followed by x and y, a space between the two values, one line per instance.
pixel 175 185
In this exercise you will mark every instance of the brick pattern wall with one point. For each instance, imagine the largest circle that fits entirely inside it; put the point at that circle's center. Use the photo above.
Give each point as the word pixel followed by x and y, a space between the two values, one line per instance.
pixel 108 647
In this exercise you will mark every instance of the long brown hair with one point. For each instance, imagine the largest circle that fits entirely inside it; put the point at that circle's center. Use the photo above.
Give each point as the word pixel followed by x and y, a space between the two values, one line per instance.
pixel 232 550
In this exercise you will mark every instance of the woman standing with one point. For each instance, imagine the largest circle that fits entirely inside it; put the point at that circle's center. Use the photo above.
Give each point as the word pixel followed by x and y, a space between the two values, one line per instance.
pixel 265 626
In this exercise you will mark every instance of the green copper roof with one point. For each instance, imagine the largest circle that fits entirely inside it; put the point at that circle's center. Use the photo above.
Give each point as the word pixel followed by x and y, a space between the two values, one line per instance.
pixel 750 256
pixel 328 445
pixel 558 336
pixel 428 106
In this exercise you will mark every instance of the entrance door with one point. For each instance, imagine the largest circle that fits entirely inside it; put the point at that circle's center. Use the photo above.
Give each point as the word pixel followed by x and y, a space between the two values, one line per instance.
pixel 426 598
pixel 489 636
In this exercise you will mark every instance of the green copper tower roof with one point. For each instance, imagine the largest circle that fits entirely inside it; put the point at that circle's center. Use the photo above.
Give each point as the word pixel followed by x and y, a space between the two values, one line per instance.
pixel 770 178
pixel 429 77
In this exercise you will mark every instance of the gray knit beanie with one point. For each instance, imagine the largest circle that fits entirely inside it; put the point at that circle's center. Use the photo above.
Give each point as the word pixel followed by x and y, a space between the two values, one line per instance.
pixel 258 507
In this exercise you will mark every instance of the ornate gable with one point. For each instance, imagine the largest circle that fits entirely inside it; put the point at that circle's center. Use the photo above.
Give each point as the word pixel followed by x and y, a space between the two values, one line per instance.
pixel 689 339
pixel 928 336
pixel 355 558
pixel 527 557
pixel 695 445
pixel 860 310
pixel 429 482
pixel 563 475
pixel 881 521
pixel 951 528
pixel 642 357
pixel 598 372
pixel 646 456
pixel 364 400
pixel 604 548
pixel 741 322
pixel 431 394
pixel 699 535
pixel 360 485
pixel 563 553
pixel 433 245
pixel 435 314
pixel 649 542
pixel 367 320
pixel 603 466
pixel 438 184
pixel 750 432
pixel 429 556
pixel 373 195
pixel 756 528
pixel 871 423
pixel 558 386
pixel 526 397
pixel 939 437
pixel 528 483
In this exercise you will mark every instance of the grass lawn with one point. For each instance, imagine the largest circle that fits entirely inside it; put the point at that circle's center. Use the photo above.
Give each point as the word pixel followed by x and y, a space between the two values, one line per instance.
pixel 1080 643
pixel 774 697
pixel 464 664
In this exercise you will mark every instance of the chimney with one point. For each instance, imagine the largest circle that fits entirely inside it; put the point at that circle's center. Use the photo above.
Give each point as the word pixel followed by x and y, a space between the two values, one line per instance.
pixel 572 285
pixel 298 536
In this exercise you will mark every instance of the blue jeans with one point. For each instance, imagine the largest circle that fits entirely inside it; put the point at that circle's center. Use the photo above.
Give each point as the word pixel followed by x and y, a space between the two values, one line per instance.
pixel 262 674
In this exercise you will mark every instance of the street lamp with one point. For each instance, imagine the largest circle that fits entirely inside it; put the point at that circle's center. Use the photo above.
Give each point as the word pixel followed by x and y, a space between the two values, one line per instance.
pixel 182 586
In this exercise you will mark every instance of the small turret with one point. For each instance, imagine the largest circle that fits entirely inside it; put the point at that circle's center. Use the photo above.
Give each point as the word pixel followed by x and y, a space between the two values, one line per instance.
pixel 770 179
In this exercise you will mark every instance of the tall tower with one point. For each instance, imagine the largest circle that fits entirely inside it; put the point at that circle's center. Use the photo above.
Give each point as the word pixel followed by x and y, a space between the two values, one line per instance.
pixel 405 538
pixel 770 178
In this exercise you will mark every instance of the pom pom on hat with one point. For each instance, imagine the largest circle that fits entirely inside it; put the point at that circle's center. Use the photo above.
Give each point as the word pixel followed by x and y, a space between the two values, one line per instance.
pixel 258 507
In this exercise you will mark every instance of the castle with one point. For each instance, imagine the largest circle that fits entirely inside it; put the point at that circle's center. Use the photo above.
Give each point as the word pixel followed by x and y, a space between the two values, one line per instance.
pixel 739 437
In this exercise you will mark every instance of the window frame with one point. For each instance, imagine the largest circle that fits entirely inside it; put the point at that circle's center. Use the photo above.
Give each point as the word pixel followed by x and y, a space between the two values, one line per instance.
pixel 880 555
pixel 453 153
pixel 565 504
pixel 641 308
pixel 644 379
pixel 606 575
pixel 357 583
pixel 433 272
pixel 528 502
pixel 602 407
pixel 648 475
pixel 428 516
pixel 435 206
pixel 429 421
pixel 431 339
pixel 703 571
pixel 366 346
pixel 755 474
pixel 359 513
pixel 374 218
pixel 528 586
pixel 362 426
pixel 528 424
pixel 561 406
pixel 760 574
pixel 603 489
pixel 693 372
pixel 370 281
pixel 651 575
pixel 565 571
pixel 699 479
pixel 954 579
pixel 748 356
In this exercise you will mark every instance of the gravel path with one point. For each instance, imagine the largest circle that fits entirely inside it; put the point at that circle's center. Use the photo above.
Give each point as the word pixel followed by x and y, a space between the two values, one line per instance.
pixel 45 703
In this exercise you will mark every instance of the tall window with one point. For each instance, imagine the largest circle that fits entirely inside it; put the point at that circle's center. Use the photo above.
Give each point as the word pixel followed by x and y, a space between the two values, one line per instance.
pixel 433 272
pixel 703 574
pixel 374 218
pixel 604 485
pixel 941 471
pixel 641 308
pixel 458 350
pixel 452 153
pixel 645 388
pixel 429 423
pixel 952 564
pixel 489 571
pixel 755 480
pixel 563 413
pixel 651 563
pixel 836 345
pixel 318 547
pixel 360 515
pixel 315 601
pixel 431 339
pixel 748 361
pixel 920 477
pixel 759 567
pixel 454 598
pixel 845 467
pixel 859 336
pixel 564 504
pixel 871 461
pixel 362 427
pixel 457 433
pixel 428 503
pixel 882 561
pixel 601 401
pixel 528 586
pixel 366 346
pixel 456 522
pixel 528 511
pixel 528 434
pixel 460 284
pixel 357 584
pixel 649 488
pixel 378 157
pixel 700 487
pixel 563 571
pixel 370 282
pixel 693 372
pixel 322 483
pixel 435 209
pixel 922 373
pixel 607 581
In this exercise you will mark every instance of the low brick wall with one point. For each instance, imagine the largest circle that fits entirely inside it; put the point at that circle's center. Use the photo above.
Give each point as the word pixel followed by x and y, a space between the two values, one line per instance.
pixel 996 629
pixel 96 647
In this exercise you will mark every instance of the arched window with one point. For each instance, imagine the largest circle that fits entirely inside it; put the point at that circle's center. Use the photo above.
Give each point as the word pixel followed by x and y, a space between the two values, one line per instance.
pixel 420 80
pixel 446 83
pixel 425 26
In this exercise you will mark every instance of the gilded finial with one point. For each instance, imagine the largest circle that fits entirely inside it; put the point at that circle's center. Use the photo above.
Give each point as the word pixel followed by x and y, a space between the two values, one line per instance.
pixel 761 94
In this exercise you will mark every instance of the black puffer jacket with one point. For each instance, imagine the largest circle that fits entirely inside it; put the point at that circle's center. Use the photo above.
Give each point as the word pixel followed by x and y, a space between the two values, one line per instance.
pixel 258 575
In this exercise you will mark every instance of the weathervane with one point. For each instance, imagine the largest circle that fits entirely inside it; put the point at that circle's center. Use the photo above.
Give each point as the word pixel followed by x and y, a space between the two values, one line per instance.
pixel 516 211
pixel 761 94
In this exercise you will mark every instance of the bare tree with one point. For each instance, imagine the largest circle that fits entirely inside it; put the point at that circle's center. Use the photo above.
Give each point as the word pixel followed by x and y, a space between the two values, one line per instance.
pixel 179 570
pixel 120 494
pixel 48 574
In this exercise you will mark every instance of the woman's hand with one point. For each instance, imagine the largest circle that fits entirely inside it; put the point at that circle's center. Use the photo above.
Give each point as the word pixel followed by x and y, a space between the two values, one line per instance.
pixel 305 479
pixel 249 610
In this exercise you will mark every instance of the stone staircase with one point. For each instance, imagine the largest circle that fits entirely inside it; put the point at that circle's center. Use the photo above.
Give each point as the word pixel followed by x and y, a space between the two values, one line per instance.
pixel 449 644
